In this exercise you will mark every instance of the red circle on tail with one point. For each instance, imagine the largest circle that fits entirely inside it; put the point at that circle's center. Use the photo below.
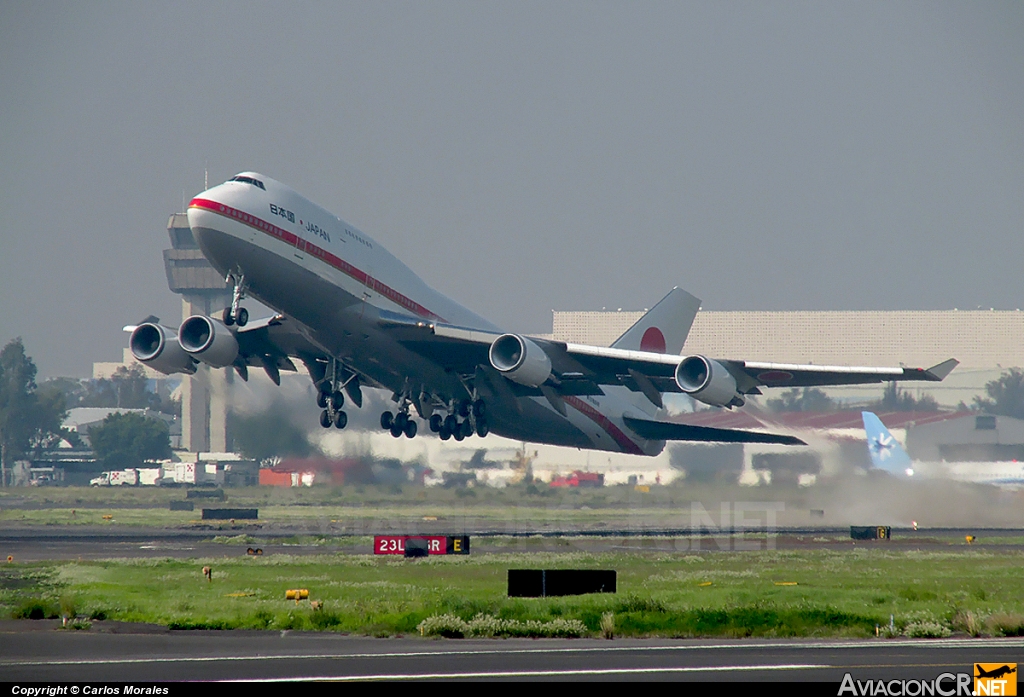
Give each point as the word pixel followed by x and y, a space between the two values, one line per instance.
pixel 653 340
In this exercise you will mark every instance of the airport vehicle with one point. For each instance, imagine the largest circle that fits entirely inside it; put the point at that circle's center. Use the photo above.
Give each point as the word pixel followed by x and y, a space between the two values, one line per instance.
pixel 128 477
pixel 356 316
pixel 194 473
pixel 145 476
pixel 887 454
pixel 579 479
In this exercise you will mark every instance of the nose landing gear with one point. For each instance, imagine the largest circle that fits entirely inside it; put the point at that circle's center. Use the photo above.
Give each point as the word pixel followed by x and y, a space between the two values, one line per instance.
pixel 235 314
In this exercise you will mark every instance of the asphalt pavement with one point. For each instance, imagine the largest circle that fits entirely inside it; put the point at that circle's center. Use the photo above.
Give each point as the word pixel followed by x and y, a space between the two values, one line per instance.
pixel 37 651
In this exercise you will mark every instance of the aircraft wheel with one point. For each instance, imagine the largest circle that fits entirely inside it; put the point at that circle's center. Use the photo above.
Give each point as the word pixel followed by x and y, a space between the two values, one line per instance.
pixel 243 317
pixel 479 409
pixel 228 318
pixel 321 400
pixel 457 435
pixel 410 429
pixel 444 432
pixel 387 420
pixel 325 419
pixel 436 422
pixel 467 428
pixel 396 431
pixel 338 399
pixel 451 423
pixel 340 420
pixel 482 428
pixel 463 408
pixel 401 420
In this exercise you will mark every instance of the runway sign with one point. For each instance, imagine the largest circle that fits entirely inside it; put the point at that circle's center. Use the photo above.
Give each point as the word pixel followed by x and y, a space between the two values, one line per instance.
pixel 420 545
pixel 542 583
pixel 870 532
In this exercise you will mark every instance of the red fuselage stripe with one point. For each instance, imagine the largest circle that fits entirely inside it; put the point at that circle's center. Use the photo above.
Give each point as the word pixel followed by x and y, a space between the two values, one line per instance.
pixel 627 445
pixel 313 250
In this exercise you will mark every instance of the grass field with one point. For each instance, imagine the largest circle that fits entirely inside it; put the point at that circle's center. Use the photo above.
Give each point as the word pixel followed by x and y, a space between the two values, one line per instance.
pixel 856 501
pixel 762 593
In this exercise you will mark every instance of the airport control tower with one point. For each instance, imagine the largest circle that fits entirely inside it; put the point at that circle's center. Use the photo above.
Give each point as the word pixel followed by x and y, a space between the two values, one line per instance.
pixel 203 292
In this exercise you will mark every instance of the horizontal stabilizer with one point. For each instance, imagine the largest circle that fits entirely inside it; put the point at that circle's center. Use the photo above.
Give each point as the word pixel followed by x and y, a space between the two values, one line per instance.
pixel 662 430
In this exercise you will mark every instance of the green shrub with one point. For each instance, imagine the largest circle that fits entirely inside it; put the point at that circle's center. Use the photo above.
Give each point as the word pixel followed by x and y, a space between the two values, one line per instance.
pixel 926 630
pixel 36 609
pixel 1004 624
pixel 608 625
pixel 454 627
pixel 634 603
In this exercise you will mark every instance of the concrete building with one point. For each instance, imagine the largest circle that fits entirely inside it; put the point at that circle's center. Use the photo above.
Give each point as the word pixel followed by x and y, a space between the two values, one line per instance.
pixel 203 292
pixel 971 438
pixel 984 341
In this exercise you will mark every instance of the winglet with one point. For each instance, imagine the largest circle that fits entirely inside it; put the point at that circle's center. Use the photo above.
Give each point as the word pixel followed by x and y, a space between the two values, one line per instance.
pixel 940 371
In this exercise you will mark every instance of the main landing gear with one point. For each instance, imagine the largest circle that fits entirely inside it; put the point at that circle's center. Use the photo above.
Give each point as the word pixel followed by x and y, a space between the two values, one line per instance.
pixel 331 399
pixel 463 420
pixel 399 424
pixel 235 314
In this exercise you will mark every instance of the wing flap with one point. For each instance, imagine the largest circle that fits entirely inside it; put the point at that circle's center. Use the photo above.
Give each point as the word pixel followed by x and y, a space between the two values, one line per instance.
pixel 663 430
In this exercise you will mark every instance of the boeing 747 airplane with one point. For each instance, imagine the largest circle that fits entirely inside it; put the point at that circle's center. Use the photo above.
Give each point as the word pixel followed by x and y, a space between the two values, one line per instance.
pixel 355 316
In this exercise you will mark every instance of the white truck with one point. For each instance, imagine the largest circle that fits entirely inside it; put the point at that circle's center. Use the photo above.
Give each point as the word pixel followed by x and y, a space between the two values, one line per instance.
pixel 129 477
pixel 197 473
pixel 146 476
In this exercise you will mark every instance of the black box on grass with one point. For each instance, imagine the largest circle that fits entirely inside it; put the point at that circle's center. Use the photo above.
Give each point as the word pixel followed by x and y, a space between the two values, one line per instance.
pixel 217 494
pixel 230 513
pixel 417 547
pixel 542 583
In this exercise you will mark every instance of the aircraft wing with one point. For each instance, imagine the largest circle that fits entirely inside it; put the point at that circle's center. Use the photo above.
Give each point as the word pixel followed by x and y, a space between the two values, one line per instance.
pixel 583 369
pixel 662 430
pixel 270 343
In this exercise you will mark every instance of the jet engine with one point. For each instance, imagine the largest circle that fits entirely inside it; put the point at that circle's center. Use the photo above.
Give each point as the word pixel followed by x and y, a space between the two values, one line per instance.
pixel 208 340
pixel 520 360
pixel 708 381
pixel 157 347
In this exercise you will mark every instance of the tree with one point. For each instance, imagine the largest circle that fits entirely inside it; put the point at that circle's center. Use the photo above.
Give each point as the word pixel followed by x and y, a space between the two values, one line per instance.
pixel 128 440
pixel 26 421
pixel 806 399
pixel 1006 395
pixel 127 388
pixel 895 399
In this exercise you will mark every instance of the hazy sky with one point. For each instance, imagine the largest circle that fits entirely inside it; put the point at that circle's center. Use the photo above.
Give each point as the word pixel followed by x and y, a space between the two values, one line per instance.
pixel 521 156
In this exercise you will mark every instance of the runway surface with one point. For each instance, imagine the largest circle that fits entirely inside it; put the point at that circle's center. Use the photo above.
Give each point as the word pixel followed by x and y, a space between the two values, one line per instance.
pixel 29 544
pixel 34 651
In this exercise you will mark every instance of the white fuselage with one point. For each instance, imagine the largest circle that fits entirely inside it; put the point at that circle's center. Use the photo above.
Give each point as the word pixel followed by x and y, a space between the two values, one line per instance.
pixel 334 280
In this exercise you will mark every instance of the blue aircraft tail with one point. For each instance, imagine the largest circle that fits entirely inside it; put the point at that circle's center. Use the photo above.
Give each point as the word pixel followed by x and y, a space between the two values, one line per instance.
pixel 886 452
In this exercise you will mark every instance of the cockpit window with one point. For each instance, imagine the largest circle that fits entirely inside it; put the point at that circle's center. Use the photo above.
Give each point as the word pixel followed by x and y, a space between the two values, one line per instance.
pixel 248 180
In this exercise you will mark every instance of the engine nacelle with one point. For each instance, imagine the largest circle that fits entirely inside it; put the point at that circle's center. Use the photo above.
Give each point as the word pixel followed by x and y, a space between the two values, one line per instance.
pixel 520 359
pixel 208 340
pixel 708 381
pixel 157 347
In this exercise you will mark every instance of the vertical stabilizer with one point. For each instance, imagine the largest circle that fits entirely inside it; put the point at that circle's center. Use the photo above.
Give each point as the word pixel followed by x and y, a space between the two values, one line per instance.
pixel 663 328
pixel 886 452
